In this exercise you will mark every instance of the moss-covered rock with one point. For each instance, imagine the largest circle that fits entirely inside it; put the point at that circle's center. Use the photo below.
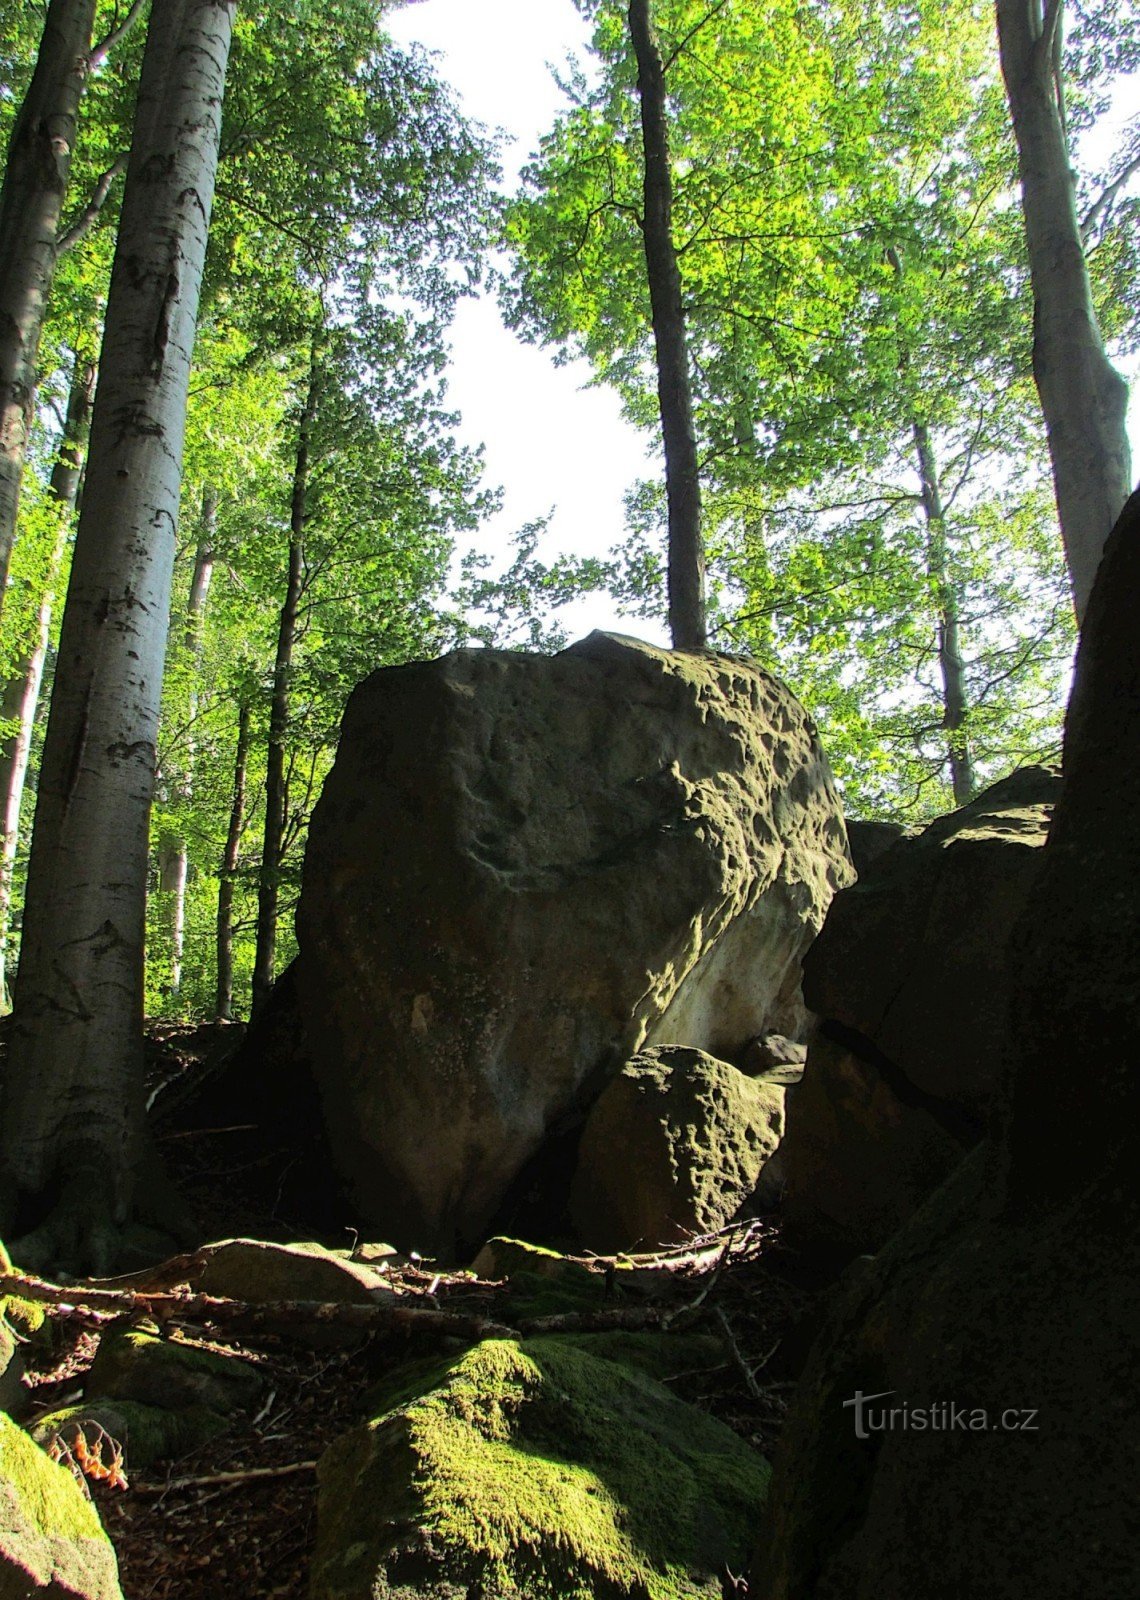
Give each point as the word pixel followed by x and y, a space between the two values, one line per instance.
pixel 536 1471
pixel 20 1322
pixel 170 1374
pixel 51 1540
pixel 540 1282
pixel 258 1271
pixel 146 1433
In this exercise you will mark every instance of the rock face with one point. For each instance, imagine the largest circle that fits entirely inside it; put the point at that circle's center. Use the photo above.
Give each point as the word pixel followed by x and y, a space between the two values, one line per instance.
pixel 536 1469
pixel 1016 1289
pixel 51 1541
pixel 673 1146
pixel 909 978
pixel 524 869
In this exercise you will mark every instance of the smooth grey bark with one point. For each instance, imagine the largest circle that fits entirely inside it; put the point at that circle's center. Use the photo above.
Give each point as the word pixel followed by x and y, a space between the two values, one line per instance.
pixel 276 795
pixel 72 1138
pixel 173 852
pixel 21 696
pixel 687 621
pixel 31 202
pixel 1083 397
pixel 955 706
pixel 224 1006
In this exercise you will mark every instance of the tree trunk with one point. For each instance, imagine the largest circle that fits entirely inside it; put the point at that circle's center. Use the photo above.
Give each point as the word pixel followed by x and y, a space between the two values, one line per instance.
pixel 72 1133
pixel 950 666
pixel 674 391
pixel 230 856
pixel 1083 397
pixel 35 183
pixel 22 691
pixel 173 855
pixel 269 881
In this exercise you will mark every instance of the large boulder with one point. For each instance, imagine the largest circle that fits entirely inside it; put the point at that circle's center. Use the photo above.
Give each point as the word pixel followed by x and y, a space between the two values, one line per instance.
pixel 909 980
pixel 539 1469
pixel 521 871
pixel 1005 1313
pixel 672 1148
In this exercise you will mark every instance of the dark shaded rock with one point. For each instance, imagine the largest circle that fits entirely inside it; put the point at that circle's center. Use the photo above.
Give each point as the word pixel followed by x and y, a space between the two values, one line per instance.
pixel 909 978
pixel 537 1469
pixel 868 841
pixel 1015 1291
pixel 672 1148
pixel 170 1373
pixel 522 870
pixel 775 1058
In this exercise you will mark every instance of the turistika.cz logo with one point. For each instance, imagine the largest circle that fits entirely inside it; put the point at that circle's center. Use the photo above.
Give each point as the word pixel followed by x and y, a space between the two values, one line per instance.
pixel 940 1416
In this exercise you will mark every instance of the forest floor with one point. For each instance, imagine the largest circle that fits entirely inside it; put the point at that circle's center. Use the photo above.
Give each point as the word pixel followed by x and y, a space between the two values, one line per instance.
pixel 238 1515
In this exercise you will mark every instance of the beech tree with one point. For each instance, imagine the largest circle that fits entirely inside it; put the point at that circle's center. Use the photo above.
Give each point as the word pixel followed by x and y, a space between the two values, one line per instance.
pixel 72 1138
pixel 35 185
pixel 1083 397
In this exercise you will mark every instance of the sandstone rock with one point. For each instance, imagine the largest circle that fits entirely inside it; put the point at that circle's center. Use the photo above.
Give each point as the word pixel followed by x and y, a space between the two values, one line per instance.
pixel 672 1148
pixel 909 977
pixel 258 1271
pixel 774 1057
pixel 1015 1291
pixel 524 869
pixel 146 1434
pixel 536 1469
pixel 131 1365
pixel 52 1544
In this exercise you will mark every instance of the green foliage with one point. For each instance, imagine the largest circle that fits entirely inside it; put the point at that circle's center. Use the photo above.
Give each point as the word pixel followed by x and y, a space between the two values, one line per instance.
pixel 853 275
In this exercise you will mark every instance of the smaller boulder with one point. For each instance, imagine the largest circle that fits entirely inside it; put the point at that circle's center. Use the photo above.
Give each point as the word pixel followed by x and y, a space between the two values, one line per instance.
pixel 534 1469
pixel 259 1273
pixel 672 1148
pixel 51 1540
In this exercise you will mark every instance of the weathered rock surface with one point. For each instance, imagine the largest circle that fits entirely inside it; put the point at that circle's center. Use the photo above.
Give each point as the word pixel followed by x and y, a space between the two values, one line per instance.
pixel 1015 1291
pixel 672 1148
pixel 536 1469
pixel 524 869
pixel 52 1544
pixel 909 977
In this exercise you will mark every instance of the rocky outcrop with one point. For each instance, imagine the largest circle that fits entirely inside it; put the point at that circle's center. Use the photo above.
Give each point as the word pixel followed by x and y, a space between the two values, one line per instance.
pixel 533 1468
pixel 51 1541
pixel 672 1148
pixel 524 869
pixel 1007 1308
pixel 909 980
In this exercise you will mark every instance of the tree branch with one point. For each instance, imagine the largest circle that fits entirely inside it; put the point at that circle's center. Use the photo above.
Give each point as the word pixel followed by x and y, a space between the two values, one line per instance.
pixel 1104 201
pixel 692 33
pixel 116 36
pixel 93 207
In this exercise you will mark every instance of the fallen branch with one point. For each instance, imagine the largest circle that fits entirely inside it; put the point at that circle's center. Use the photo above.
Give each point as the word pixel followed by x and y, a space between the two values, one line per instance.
pixel 212 1480
pixel 135 1305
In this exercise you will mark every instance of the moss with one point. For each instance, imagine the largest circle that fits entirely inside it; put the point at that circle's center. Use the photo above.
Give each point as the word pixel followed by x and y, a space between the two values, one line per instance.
pixel 542 1470
pixel 147 1433
pixel 171 1374
pixel 540 1282
pixel 49 1530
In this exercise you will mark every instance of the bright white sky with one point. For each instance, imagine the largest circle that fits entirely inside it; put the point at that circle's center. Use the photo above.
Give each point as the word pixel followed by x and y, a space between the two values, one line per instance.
pixel 551 441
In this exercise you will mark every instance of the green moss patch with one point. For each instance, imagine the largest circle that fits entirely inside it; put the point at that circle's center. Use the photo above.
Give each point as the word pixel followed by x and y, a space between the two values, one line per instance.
pixel 538 1470
pixel 50 1534
pixel 148 1434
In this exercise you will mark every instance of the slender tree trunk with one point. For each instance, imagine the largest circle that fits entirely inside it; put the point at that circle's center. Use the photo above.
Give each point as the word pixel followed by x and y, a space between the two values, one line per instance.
pixel 72 1135
pixel 269 881
pixel 955 708
pixel 230 857
pixel 1083 397
pixel 22 692
pixel 31 201
pixel 674 390
pixel 173 854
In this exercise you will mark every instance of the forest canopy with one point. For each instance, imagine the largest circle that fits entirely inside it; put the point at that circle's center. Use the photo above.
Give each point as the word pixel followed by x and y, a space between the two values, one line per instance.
pixel 856 291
